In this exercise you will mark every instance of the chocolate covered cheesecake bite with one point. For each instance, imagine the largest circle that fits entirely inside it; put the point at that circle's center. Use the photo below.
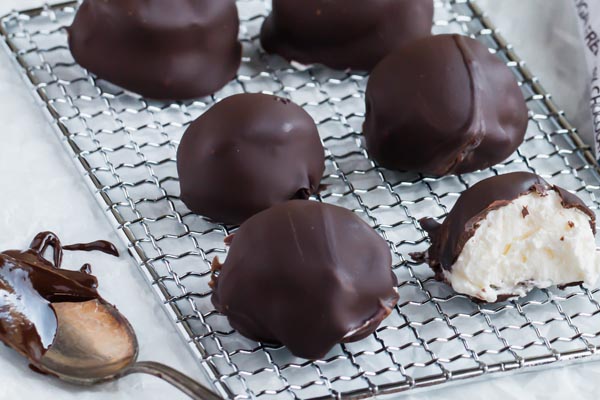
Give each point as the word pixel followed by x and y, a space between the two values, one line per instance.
pixel 443 105
pixel 307 275
pixel 246 154
pixel 344 34
pixel 177 49
pixel 511 233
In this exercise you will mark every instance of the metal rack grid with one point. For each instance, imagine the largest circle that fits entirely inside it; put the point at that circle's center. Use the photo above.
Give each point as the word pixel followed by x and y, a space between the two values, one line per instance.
pixel 125 147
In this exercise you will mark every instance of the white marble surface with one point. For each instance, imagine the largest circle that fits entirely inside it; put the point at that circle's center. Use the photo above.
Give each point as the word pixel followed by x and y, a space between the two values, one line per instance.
pixel 41 190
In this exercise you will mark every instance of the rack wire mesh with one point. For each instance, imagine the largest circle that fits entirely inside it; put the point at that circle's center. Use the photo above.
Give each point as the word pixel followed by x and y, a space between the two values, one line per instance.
pixel 125 147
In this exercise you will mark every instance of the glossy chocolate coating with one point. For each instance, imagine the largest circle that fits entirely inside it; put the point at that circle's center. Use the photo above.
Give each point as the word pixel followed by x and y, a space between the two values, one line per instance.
pixel 29 284
pixel 443 105
pixel 307 275
pixel 344 34
pixel 175 49
pixel 448 239
pixel 247 153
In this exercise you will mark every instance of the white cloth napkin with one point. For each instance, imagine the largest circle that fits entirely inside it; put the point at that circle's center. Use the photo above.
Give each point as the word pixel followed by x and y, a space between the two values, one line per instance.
pixel 545 33
pixel 588 16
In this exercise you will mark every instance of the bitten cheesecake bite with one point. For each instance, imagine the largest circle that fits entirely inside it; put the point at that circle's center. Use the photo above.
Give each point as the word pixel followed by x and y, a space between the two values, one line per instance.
pixel 443 105
pixel 511 233
pixel 344 34
pixel 307 275
pixel 246 154
pixel 175 49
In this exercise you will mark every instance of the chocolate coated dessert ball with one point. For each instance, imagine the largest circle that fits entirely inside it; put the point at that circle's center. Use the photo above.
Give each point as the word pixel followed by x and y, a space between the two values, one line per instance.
pixel 307 275
pixel 443 105
pixel 176 49
pixel 510 233
pixel 344 33
pixel 246 154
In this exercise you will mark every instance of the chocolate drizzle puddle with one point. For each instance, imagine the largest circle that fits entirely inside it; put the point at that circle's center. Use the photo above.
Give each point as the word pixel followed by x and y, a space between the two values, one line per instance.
pixel 30 283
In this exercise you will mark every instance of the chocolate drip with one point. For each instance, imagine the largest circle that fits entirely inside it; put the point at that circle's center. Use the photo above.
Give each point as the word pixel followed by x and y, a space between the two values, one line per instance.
pixel 30 283
pixel 86 268
pixel 99 245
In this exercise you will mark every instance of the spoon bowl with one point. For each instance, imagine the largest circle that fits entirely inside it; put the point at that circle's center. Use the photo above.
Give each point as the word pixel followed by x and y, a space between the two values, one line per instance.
pixel 95 343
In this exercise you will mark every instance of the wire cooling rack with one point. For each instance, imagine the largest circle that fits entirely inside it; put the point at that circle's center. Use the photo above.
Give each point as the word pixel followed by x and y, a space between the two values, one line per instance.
pixel 125 147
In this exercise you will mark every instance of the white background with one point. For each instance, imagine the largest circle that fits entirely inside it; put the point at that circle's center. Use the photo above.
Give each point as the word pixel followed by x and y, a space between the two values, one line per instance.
pixel 41 190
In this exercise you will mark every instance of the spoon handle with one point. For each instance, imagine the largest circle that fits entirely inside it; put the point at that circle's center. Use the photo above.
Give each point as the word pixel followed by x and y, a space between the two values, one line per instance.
pixel 182 382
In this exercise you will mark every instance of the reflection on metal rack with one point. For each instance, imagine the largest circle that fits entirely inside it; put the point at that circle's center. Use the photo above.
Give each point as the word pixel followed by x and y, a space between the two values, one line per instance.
pixel 125 146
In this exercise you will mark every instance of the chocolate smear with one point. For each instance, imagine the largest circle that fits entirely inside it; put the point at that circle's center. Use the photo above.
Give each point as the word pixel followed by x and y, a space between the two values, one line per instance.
pixel 30 284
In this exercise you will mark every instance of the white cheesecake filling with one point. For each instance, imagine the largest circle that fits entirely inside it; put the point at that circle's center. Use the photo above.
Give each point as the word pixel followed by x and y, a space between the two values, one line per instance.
pixel 532 242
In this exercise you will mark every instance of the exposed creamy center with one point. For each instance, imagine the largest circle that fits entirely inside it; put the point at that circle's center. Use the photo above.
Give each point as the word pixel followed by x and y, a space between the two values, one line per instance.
pixel 532 242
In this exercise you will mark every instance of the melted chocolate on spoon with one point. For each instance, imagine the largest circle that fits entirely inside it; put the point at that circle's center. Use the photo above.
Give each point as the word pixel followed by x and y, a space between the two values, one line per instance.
pixel 30 283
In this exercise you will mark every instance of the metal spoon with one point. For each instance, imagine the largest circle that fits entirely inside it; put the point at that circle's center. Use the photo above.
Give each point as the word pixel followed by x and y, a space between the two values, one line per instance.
pixel 95 343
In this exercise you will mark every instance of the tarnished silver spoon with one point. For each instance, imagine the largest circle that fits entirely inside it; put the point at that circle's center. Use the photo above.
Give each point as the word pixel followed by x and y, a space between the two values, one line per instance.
pixel 95 343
